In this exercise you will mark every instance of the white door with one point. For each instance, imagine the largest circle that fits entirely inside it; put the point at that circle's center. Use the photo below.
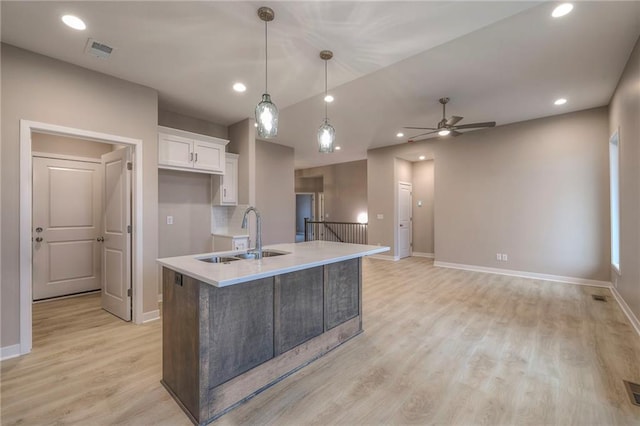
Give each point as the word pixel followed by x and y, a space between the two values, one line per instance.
pixel 67 199
pixel 116 250
pixel 404 220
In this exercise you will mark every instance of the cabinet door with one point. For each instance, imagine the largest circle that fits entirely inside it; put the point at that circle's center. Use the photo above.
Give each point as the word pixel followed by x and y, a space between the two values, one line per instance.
pixel 175 151
pixel 208 156
pixel 230 182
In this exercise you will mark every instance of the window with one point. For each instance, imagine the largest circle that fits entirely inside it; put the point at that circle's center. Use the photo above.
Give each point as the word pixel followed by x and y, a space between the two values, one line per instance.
pixel 614 179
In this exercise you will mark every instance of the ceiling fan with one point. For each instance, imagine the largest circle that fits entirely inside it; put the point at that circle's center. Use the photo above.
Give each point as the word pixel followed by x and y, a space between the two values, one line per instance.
pixel 449 127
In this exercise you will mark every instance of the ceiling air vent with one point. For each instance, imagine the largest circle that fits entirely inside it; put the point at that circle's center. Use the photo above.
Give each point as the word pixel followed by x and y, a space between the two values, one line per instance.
pixel 97 49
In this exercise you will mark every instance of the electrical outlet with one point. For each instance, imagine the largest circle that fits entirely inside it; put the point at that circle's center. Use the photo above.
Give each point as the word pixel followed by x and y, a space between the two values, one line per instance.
pixel 380 216
pixel 504 257
pixel 169 220
pixel 498 256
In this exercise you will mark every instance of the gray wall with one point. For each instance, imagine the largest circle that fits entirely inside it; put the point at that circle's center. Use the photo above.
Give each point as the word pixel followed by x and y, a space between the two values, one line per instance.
pixel 423 186
pixel 53 144
pixel 536 190
pixel 624 114
pixel 191 124
pixel 187 197
pixel 39 88
pixel 275 196
pixel 344 187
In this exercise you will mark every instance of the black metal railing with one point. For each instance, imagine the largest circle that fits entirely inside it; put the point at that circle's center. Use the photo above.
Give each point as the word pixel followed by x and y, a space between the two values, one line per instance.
pixel 343 232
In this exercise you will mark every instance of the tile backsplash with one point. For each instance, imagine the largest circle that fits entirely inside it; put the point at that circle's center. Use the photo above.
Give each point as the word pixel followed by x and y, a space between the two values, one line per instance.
pixel 227 219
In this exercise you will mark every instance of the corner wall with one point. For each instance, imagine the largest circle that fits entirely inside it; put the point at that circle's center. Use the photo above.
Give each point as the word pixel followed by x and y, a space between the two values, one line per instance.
pixel 275 193
pixel 536 190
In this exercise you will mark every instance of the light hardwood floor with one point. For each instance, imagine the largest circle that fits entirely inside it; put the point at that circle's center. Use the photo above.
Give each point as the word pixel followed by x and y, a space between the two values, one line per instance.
pixel 440 346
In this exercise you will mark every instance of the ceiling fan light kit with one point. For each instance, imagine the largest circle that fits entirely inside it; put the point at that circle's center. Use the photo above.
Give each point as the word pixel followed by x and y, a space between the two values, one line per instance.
pixel 448 126
pixel 326 132
pixel 266 111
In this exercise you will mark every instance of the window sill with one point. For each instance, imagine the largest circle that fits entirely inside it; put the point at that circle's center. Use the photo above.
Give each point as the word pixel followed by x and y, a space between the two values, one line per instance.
pixel 616 268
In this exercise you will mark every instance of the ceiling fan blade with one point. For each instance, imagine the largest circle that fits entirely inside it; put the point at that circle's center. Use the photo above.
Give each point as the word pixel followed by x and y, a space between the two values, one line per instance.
pixel 475 125
pixel 454 133
pixel 413 138
pixel 420 128
pixel 453 120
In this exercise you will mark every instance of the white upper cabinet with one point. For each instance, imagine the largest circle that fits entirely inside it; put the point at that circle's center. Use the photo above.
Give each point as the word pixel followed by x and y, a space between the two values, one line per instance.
pixel 180 150
pixel 225 187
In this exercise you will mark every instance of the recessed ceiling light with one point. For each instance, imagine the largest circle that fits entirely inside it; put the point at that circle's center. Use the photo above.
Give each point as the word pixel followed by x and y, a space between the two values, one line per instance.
pixel 562 10
pixel 328 98
pixel 400 134
pixel 422 157
pixel 338 148
pixel 239 87
pixel 444 132
pixel 255 124
pixel 74 22
pixel 560 101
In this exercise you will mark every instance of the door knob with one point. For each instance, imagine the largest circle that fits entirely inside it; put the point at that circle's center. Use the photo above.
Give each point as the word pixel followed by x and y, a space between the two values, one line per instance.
pixel 100 239
pixel 38 229
pixel 38 239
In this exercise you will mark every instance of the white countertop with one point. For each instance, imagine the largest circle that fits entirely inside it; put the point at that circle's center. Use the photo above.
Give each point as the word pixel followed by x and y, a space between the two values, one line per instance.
pixel 301 256
pixel 230 235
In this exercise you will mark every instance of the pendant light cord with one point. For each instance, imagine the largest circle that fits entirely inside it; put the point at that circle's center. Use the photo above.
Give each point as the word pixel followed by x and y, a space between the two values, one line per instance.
pixel 325 91
pixel 266 55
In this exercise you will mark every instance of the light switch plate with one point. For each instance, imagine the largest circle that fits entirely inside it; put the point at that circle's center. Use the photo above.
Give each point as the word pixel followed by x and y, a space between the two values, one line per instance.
pixel 169 220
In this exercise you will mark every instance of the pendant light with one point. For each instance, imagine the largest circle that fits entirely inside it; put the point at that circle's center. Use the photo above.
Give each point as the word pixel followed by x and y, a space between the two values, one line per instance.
pixel 266 111
pixel 326 132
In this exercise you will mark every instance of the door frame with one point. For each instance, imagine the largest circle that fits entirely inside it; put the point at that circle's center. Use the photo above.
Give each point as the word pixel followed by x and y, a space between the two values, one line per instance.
pixel 27 127
pixel 397 220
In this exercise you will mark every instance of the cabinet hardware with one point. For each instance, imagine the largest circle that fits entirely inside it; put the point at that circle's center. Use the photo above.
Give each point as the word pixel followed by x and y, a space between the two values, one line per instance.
pixel 100 239
pixel 196 157
pixel 38 229
pixel 191 157
pixel 38 239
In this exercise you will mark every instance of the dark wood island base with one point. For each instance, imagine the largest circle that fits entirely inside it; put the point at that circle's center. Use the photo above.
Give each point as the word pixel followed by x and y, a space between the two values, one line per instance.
pixel 223 345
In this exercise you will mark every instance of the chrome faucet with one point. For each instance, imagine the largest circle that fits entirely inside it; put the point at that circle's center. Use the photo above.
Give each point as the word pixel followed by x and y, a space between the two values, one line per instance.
pixel 258 230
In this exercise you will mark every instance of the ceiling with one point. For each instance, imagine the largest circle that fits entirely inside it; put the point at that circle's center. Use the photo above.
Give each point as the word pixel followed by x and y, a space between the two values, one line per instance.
pixel 497 61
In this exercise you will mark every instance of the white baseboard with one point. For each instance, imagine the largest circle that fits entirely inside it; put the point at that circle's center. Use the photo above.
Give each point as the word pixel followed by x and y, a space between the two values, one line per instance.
pixel 151 316
pixel 523 274
pixel 419 254
pixel 9 352
pixel 383 257
pixel 626 309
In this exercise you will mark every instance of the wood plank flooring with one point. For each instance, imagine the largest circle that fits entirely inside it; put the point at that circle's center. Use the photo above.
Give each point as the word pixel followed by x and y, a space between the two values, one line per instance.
pixel 440 346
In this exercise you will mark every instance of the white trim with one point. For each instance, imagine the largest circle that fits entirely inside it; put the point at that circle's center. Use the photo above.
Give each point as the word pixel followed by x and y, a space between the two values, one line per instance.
pixel 160 298
pixel 635 323
pixel 151 316
pixel 26 189
pixel 9 352
pixel 65 157
pixel 419 254
pixel 384 257
pixel 523 274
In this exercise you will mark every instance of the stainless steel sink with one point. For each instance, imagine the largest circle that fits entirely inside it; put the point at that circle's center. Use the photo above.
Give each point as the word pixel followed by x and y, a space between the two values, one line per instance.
pixel 241 256
pixel 218 259
pixel 265 253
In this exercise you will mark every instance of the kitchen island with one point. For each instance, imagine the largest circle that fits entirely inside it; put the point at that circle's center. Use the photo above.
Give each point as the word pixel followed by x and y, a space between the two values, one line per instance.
pixel 233 328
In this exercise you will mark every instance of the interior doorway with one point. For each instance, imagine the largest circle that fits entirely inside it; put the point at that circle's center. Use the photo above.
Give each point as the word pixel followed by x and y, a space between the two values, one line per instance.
pixel 305 208
pixel 28 229
pixel 404 231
